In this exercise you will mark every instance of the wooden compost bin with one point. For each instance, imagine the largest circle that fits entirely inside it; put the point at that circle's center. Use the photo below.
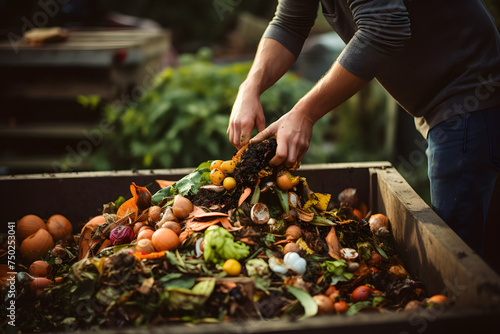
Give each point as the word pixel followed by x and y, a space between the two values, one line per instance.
pixel 432 252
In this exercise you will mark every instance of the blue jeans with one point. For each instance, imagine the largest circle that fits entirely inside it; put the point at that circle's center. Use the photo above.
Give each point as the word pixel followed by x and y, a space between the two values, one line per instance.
pixel 464 163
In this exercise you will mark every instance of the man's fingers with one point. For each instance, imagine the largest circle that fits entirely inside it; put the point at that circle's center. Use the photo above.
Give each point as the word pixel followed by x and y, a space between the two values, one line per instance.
pixel 266 133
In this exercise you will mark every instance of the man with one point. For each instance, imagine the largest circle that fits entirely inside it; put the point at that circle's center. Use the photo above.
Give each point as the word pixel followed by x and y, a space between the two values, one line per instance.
pixel 439 59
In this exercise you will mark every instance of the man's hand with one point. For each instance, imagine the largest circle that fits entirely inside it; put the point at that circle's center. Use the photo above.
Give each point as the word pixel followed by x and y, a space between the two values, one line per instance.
pixel 271 62
pixel 293 132
pixel 246 114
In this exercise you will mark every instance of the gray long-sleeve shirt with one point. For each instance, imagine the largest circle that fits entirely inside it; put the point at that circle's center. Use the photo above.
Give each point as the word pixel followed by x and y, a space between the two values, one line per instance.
pixel 437 58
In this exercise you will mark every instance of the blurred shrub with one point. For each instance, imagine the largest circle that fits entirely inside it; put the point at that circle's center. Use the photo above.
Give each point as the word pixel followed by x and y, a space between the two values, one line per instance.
pixel 182 119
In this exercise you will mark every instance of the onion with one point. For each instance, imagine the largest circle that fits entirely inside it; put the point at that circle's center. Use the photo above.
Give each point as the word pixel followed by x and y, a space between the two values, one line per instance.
pixel 165 239
pixel 291 247
pixel 28 225
pixel 37 245
pixel 144 246
pixel 145 234
pixel 121 235
pixel 154 213
pixel 379 225
pixel 293 233
pixel 350 196
pixel 40 268
pixel 325 305
pixel 174 226
pixel 39 284
pixel 182 206
pixel 59 227
pixel 137 228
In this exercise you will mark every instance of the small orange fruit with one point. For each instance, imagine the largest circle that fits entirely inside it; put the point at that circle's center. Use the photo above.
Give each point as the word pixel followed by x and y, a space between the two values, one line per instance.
pixel 285 180
pixel 232 267
pixel 229 183
pixel 217 176
pixel 215 164
pixel 227 167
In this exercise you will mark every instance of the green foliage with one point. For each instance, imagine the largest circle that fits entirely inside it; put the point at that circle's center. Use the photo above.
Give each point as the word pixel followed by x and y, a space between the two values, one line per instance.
pixel 182 119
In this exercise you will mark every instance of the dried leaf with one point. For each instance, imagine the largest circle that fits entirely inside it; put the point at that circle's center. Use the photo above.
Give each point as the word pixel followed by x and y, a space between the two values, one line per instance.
pixel 333 244
pixel 164 183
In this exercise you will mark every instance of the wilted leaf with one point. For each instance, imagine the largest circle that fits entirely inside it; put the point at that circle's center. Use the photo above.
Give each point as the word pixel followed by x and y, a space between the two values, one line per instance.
pixel 305 299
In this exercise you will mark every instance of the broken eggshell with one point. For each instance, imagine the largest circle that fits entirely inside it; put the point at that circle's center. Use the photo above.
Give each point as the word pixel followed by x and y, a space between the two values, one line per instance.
pixel 259 213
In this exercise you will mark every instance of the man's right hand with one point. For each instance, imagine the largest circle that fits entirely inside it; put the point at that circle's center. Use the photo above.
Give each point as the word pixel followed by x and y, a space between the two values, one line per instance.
pixel 247 113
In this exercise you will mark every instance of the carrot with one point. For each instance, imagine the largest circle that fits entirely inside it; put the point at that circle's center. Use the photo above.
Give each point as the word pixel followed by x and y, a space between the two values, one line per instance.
pixel 154 255
pixel 244 195
pixel 237 156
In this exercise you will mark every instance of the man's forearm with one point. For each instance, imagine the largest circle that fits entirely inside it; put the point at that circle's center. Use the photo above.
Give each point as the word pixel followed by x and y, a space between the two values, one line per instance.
pixel 271 62
pixel 333 89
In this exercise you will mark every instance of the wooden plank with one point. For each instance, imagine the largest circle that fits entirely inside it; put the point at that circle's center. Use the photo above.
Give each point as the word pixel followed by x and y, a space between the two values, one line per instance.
pixel 431 250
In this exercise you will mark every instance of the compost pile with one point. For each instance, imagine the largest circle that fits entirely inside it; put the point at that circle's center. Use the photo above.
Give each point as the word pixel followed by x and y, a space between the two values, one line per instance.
pixel 232 241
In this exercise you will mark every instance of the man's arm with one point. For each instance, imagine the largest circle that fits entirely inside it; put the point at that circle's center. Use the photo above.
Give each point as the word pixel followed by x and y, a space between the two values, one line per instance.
pixel 277 51
pixel 271 62
pixel 294 129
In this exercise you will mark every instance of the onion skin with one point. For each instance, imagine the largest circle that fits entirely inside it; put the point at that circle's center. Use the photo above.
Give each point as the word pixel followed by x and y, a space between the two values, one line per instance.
pixel 94 223
pixel 40 268
pixel 37 245
pixel 29 225
pixel 59 227
pixel 164 239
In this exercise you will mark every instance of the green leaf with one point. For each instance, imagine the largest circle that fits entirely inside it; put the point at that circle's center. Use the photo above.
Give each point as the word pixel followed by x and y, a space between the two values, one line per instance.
pixel 283 198
pixel 190 299
pixel 305 299
pixel 160 195
pixel 380 251
pixel 177 280
pixel 355 308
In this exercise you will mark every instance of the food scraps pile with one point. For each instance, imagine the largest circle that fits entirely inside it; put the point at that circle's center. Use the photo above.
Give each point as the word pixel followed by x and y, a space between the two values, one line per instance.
pixel 233 240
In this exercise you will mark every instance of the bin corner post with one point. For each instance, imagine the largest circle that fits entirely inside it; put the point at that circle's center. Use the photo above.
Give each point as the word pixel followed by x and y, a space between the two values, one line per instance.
pixel 373 202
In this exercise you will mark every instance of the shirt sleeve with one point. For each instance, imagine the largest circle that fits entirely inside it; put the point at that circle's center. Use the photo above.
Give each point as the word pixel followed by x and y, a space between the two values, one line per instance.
pixel 292 23
pixel 383 27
